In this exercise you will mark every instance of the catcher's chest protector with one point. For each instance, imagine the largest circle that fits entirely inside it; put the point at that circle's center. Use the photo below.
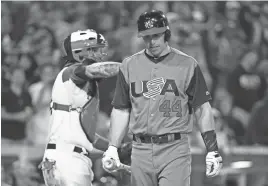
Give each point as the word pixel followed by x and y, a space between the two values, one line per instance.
pixel 88 115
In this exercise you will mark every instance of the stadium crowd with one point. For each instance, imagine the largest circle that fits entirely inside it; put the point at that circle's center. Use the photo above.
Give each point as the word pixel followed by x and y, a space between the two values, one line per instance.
pixel 228 39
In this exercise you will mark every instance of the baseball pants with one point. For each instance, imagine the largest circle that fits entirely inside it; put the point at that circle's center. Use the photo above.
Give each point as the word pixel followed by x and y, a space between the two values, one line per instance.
pixel 167 164
pixel 70 169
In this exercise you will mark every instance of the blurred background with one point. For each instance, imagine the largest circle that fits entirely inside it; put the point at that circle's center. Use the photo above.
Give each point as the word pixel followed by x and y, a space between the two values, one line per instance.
pixel 228 39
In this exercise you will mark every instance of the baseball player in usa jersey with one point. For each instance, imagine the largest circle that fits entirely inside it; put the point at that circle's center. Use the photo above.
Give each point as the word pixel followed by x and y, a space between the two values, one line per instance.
pixel 161 90
pixel 72 141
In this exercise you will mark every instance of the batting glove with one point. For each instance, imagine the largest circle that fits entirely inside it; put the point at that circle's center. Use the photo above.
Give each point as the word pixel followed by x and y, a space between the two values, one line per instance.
pixel 111 155
pixel 213 164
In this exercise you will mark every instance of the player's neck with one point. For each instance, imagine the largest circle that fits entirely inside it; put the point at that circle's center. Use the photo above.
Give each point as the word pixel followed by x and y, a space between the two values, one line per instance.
pixel 164 52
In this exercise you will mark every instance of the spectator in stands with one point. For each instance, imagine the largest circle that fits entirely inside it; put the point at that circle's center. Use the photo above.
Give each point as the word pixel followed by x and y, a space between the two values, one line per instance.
pixel 16 108
pixel 55 21
pixel 224 44
pixel 231 39
pixel 27 62
pixel 43 44
pixel 250 23
pixel 257 130
pixel 245 87
pixel 8 61
pixel 7 42
pixel 19 19
pixel 264 39
pixel 41 97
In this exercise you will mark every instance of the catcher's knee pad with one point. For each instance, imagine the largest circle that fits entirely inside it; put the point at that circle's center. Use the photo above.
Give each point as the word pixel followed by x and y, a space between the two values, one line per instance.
pixel 50 173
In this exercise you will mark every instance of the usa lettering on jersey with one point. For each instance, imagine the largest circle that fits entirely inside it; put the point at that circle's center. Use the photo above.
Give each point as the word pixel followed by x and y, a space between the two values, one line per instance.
pixel 154 87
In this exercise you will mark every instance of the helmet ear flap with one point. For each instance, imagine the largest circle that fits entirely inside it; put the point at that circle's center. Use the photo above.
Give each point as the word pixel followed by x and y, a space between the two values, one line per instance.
pixel 167 35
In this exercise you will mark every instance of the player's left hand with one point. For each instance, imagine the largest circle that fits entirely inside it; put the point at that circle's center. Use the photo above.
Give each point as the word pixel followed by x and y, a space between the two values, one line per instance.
pixel 111 155
pixel 213 164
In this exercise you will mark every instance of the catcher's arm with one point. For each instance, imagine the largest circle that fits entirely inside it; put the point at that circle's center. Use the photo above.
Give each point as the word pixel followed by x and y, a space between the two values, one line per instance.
pixel 80 73
pixel 100 142
pixel 102 69
pixel 93 72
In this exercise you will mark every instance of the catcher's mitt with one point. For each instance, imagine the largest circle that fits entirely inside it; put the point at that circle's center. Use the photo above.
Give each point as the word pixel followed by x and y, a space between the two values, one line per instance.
pixel 124 153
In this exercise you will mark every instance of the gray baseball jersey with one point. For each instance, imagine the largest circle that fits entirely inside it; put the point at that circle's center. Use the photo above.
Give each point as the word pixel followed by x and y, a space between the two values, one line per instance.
pixel 160 92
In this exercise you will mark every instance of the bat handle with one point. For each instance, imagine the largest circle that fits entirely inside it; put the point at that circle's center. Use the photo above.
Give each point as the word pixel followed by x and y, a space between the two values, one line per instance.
pixel 109 164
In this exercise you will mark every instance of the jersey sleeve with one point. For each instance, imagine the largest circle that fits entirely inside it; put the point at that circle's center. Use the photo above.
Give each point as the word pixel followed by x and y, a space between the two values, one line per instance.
pixel 197 90
pixel 79 75
pixel 76 73
pixel 121 98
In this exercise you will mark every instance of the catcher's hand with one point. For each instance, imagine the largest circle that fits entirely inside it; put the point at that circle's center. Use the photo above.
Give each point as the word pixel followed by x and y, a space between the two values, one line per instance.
pixel 102 69
pixel 213 164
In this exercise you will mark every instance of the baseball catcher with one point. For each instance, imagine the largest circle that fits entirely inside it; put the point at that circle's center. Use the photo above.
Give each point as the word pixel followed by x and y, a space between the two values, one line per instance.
pixel 72 141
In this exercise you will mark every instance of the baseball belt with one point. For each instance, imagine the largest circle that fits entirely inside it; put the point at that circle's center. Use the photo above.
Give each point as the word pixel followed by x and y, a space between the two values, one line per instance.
pixel 76 149
pixel 67 108
pixel 158 139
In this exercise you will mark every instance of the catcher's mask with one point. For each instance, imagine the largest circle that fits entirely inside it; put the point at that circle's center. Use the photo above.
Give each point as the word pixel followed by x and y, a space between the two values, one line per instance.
pixel 154 22
pixel 87 44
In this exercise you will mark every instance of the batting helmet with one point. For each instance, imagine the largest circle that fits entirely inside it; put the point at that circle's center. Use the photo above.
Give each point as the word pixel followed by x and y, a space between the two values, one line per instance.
pixel 153 22
pixel 79 41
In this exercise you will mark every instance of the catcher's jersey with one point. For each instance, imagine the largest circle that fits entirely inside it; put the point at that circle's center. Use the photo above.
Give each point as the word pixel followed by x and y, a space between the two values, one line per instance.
pixel 70 89
pixel 160 92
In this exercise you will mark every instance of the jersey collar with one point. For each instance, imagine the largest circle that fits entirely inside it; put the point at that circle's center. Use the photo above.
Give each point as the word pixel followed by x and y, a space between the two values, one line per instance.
pixel 159 59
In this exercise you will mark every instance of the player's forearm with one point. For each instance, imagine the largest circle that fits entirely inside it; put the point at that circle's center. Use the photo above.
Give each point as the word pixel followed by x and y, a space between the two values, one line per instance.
pixel 96 153
pixel 89 71
pixel 96 72
pixel 204 117
pixel 100 142
pixel 119 126
pixel 206 124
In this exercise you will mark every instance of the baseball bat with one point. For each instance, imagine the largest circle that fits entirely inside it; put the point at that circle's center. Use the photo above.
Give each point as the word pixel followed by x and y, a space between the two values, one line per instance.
pixel 110 164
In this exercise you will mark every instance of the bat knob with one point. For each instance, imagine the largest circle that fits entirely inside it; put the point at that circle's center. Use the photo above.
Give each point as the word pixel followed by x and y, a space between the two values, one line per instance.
pixel 109 164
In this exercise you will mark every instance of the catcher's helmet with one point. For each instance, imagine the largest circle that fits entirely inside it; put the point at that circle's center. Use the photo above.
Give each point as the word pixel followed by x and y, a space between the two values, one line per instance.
pixel 153 22
pixel 84 40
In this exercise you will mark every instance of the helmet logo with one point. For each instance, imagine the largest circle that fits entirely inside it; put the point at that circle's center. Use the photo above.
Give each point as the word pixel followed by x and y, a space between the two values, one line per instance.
pixel 149 24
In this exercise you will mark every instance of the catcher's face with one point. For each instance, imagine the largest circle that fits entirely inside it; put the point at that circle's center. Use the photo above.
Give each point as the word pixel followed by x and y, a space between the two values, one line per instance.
pixel 94 53
pixel 155 44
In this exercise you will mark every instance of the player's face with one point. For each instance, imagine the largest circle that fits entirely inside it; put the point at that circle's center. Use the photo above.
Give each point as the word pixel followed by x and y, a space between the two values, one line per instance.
pixel 95 53
pixel 155 43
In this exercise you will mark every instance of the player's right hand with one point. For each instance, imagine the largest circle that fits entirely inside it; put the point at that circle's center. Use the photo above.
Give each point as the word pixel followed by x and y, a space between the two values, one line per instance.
pixel 110 160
